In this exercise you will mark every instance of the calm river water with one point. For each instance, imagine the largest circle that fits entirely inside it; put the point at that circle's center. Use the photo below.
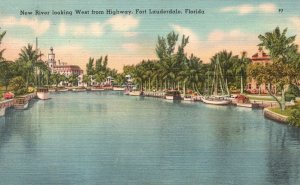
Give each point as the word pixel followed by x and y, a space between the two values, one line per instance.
pixel 109 138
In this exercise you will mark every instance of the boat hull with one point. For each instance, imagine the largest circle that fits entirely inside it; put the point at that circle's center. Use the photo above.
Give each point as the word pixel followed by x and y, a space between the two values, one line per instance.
pixel 216 101
pixel 62 90
pixel 188 99
pixel 78 90
pixel 248 105
pixel 95 89
pixel 2 111
pixel 43 95
pixel 21 106
pixel 134 93
pixel 172 97
pixel 118 88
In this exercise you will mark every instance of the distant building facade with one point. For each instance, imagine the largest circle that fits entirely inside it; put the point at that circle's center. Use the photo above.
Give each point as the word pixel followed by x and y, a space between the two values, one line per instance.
pixel 63 68
pixel 258 58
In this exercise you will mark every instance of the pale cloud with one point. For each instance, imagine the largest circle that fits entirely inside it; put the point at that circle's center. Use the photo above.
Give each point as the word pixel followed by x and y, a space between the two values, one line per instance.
pixel 295 22
pixel 130 34
pixel 119 24
pixel 123 23
pixel 39 27
pixel 96 29
pixel 235 34
pixel 267 7
pixel 79 30
pixel 92 29
pixel 194 41
pixel 233 40
pixel 216 35
pixel 247 8
pixel 131 47
pixel 185 31
pixel 62 29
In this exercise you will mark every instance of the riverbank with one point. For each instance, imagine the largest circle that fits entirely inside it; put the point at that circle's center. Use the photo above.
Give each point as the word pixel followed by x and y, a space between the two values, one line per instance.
pixel 276 114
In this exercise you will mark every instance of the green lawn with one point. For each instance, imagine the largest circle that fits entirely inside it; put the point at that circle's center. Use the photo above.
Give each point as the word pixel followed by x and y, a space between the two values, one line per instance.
pixel 262 98
pixel 287 111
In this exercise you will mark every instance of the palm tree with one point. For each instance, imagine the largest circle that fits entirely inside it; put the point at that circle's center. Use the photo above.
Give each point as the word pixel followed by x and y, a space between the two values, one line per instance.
pixel 224 60
pixel 240 68
pixel 43 73
pixel 55 78
pixel 1 51
pixel 28 58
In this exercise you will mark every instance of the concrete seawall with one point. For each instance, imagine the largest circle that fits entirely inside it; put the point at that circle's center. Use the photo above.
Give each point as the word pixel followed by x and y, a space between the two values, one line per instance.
pixel 274 116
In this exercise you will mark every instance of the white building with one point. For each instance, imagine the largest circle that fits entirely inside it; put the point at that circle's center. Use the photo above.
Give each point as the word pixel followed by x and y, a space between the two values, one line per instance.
pixel 63 68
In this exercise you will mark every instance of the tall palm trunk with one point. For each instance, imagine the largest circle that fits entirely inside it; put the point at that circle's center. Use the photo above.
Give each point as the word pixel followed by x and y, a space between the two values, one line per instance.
pixel 242 85
pixel 183 88
pixel 282 99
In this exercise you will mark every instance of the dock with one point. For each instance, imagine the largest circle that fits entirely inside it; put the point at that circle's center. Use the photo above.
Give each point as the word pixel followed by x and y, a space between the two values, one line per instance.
pixel 10 103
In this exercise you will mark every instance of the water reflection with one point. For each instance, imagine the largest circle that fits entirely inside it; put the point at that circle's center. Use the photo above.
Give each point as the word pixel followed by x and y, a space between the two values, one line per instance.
pixel 283 160
pixel 106 138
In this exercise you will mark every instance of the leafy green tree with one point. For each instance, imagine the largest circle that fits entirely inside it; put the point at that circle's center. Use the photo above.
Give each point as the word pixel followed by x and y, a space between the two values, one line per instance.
pixel 6 73
pixel 73 79
pixel 294 119
pixel 17 84
pixel 55 79
pixel 86 79
pixel 282 50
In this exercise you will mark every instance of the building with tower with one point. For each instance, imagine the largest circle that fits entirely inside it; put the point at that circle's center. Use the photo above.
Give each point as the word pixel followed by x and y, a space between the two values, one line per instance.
pixel 64 68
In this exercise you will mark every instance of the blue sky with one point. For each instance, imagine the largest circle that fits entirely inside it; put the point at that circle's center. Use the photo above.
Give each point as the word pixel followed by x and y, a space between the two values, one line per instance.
pixel 127 39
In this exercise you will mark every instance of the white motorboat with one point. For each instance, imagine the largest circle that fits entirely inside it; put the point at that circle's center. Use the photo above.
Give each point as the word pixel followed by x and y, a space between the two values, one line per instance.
pixel 2 111
pixel 42 93
pixel 188 98
pixel 135 93
pixel 216 100
pixel 97 89
pixel 118 88
pixel 20 103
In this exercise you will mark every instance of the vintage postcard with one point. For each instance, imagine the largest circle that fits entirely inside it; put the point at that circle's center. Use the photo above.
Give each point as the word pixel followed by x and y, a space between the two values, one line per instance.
pixel 149 92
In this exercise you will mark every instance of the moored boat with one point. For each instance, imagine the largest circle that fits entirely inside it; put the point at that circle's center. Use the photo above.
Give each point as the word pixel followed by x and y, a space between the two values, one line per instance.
pixel 62 90
pixel 42 93
pixel 20 102
pixel 79 89
pixel 2 111
pixel 117 88
pixel 248 105
pixel 188 98
pixel 216 100
pixel 134 93
pixel 97 88
pixel 172 95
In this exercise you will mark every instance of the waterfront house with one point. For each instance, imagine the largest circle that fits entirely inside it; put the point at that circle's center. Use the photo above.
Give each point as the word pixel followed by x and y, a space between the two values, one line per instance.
pixel 258 58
